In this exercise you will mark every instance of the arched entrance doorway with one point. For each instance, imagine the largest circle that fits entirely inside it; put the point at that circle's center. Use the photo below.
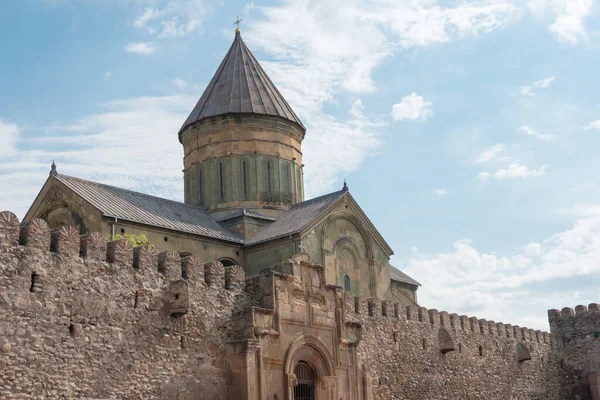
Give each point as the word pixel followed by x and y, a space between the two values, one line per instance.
pixel 310 370
pixel 305 378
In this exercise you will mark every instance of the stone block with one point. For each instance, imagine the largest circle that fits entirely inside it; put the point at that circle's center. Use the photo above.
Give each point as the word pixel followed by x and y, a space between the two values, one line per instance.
pixel 94 246
pixel 445 342
pixel 169 263
pixel 35 234
pixel 214 274
pixel 483 326
pixel 235 277
pixel 580 309
pixel 455 321
pixel 434 317
pixel 374 306
pixel 501 329
pixel 444 319
pixel 192 269
pixel 509 331
pixel 145 258
pixel 593 308
pixel 10 229
pixel 120 252
pixel 522 352
pixel 178 298
pixel 567 312
pixel 66 241
pixel 384 308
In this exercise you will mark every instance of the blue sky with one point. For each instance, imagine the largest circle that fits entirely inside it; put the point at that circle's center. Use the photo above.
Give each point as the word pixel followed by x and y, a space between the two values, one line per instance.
pixel 467 130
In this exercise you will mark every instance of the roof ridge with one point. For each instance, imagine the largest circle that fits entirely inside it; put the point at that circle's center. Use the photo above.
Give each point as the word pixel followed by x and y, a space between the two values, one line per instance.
pixel 309 201
pixel 133 191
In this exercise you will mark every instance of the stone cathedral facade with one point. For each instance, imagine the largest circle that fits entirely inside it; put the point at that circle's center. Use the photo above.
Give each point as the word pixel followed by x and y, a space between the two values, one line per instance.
pixel 247 290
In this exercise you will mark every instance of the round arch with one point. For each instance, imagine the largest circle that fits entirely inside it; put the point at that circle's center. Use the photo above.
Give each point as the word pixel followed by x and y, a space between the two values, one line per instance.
pixel 228 262
pixel 311 350
pixel 354 221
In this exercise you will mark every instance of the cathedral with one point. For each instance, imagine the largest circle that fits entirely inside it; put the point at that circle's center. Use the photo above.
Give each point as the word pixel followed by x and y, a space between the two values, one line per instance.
pixel 247 291
pixel 243 194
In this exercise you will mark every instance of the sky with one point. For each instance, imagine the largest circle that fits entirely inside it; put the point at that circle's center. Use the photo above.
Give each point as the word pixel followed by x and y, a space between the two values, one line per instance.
pixel 468 131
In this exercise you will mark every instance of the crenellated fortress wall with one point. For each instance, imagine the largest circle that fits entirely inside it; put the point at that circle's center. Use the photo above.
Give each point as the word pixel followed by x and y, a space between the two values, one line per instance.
pixel 81 317
pixel 578 333
pixel 109 323
pixel 416 353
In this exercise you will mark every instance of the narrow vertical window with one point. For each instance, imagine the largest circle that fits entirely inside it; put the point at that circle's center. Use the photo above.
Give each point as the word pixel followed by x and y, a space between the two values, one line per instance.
pixel 288 183
pixel 269 179
pixel 221 191
pixel 245 179
pixel 200 188
pixel 346 283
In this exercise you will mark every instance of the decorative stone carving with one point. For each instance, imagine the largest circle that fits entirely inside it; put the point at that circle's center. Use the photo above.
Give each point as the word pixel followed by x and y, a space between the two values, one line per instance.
pixel 35 234
pixel 192 269
pixel 214 274
pixel 235 277
pixel 9 229
pixel 169 263
pixel 120 252
pixel 66 241
pixel 94 246
pixel 145 258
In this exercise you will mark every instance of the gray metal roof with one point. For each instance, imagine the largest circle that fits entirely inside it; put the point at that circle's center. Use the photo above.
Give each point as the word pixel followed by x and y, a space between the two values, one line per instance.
pixel 148 210
pixel 247 213
pixel 397 275
pixel 298 217
pixel 240 85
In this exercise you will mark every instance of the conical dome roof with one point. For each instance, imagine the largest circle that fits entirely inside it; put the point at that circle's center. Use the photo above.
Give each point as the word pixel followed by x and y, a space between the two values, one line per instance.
pixel 240 86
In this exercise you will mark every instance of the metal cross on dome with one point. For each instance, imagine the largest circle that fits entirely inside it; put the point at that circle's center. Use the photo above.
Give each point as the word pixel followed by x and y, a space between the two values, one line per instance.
pixel 237 21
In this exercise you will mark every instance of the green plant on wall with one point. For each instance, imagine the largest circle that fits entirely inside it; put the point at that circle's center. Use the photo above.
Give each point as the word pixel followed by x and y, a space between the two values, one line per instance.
pixel 134 240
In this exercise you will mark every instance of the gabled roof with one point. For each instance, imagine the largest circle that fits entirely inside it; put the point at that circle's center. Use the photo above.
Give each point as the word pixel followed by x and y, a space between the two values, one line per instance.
pixel 240 85
pixel 297 218
pixel 397 275
pixel 148 210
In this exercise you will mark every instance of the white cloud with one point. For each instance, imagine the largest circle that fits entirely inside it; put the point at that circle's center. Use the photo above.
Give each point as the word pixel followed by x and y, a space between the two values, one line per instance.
pixel 491 154
pixel 515 170
pixel 541 84
pixel 333 48
pixel 533 249
pixel 9 134
pixel 175 18
pixel 357 109
pixel 107 75
pixel 412 107
pixel 441 192
pixel 180 83
pixel 569 17
pixel 516 288
pixel 593 125
pixel 144 48
pixel 130 143
pixel 414 249
pixel 541 136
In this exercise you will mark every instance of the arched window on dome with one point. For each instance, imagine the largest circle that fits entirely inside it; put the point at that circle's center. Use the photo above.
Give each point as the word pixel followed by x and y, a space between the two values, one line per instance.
pixel 269 191
pixel 288 183
pixel 200 188
pixel 347 283
pixel 221 184
pixel 245 179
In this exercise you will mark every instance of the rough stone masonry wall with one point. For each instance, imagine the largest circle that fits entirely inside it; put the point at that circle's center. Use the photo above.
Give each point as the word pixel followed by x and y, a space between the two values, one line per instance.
pixel 416 353
pixel 113 323
pixel 578 332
